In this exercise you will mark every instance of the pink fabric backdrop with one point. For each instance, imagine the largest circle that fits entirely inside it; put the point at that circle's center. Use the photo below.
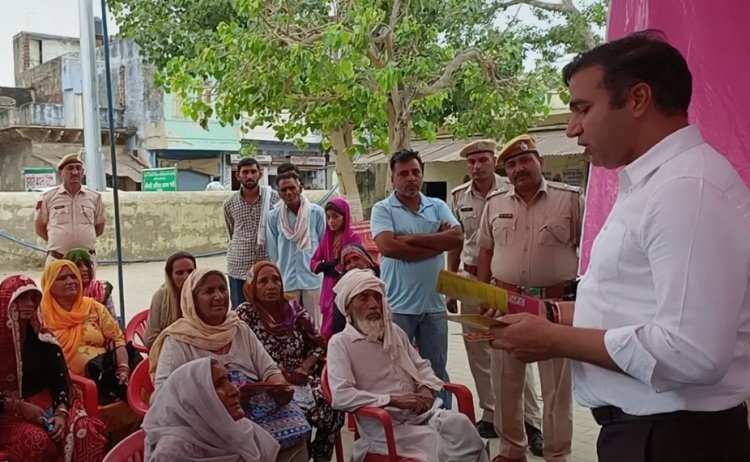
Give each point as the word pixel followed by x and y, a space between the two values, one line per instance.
pixel 714 37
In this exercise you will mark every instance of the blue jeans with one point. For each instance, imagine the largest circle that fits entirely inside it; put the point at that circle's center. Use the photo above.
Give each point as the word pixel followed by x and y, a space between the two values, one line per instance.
pixel 430 330
pixel 235 291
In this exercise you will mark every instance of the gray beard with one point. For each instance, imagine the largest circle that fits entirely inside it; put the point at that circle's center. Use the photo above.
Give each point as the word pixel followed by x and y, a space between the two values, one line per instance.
pixel 372 329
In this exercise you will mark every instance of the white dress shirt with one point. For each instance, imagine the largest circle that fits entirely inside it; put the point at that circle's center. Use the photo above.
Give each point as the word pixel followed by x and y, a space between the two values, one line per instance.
pixel 668 281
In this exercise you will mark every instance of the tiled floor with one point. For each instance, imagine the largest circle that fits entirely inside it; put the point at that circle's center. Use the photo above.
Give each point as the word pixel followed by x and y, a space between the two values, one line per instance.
pixel 141 280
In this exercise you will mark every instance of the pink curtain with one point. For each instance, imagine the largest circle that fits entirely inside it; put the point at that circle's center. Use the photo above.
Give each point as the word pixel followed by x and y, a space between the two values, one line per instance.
pixel 714 37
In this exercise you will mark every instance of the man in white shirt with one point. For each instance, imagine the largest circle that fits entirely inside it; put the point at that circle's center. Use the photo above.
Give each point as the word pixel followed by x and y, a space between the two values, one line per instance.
pixel 660 331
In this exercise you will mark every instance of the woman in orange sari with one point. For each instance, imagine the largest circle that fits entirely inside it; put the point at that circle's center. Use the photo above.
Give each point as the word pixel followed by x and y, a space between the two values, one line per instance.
pixel 40 420
pixel 86 330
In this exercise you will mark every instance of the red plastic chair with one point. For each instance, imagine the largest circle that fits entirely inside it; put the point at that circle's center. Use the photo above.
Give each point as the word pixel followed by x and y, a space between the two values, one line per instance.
pixel 140 389
pixel 465 406
pixel 135 331
pixel 130 449
pixel 89 393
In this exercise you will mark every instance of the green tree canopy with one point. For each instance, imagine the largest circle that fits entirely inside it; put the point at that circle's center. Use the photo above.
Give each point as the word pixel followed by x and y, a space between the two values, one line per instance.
pixel 365 73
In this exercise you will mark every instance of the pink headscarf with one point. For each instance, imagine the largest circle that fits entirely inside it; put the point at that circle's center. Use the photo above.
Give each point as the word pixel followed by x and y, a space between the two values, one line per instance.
pixel 327 251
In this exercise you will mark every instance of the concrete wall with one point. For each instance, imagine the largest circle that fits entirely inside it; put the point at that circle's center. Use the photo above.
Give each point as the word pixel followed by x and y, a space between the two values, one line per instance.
pixel 52 47
pixel 134 91
pixel 185 134
pixel 45 80
pixel 153 225
pixel 15 157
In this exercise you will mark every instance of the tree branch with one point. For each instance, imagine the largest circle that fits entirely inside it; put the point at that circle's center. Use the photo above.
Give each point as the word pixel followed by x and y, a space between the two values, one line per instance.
pixel 373 55
pixel 395 11
pixel 565 7
pixel 467 55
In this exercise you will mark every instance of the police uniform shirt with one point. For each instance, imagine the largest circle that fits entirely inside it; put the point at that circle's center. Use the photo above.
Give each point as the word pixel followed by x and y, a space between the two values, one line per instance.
pixel 71 219
pixel 534 245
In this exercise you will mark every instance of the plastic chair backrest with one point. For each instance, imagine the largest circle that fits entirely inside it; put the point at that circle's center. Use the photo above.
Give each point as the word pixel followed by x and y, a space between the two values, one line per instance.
pixel 135 330
pixel 324 385
pixel 131 449
pixel 140 389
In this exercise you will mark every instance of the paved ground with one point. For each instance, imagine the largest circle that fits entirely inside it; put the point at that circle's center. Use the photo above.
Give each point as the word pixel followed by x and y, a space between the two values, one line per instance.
pixel 142 279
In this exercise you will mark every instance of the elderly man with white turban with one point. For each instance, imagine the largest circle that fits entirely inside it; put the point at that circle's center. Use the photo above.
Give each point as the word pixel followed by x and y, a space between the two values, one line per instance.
pixel 372 363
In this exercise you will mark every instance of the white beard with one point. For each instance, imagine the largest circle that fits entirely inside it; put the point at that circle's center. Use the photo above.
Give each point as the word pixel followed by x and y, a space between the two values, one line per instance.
pixel 372 329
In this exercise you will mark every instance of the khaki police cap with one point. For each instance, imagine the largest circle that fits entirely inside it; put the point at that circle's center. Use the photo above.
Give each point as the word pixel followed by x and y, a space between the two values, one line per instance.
pixel 69 159
pixel 478 147
pixel 518 145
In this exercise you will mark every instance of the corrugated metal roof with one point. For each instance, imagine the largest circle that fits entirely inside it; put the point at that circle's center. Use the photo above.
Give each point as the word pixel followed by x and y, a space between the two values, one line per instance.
pixel 550 143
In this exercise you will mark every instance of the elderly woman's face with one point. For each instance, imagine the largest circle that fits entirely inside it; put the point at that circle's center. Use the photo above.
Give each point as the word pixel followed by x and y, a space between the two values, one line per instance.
pixel 84 270
pixel 355 260
pixel 268 285
pixel 65 285
pixel 226 391
pixel 212 299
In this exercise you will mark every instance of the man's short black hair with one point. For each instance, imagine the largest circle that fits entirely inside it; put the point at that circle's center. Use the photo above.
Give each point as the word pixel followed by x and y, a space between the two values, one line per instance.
pixel 642 57
pixel 287 175
pixel 287 167
pixel 245 161
pixel 405 155
pixel 287 170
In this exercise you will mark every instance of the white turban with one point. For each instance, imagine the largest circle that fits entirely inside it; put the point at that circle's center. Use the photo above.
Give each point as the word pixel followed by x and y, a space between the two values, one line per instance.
pixel 356 281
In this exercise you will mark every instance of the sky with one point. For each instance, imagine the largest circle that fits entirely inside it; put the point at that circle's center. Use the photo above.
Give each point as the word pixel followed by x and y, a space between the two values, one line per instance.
pixel 55 17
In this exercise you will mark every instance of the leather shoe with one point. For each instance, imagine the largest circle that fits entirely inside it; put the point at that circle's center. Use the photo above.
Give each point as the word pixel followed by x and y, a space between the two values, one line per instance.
pixel 536 440
pixel 486 429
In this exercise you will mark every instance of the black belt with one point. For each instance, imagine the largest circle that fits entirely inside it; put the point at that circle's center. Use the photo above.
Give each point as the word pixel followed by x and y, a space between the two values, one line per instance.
pixel 610 415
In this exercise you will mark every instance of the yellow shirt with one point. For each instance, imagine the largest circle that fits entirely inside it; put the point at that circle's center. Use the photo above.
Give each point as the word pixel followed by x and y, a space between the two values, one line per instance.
pixel 98 330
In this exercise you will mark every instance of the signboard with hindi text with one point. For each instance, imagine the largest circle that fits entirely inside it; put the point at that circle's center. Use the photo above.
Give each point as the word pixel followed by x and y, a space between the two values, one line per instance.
pixel 36 178
pixel 160 179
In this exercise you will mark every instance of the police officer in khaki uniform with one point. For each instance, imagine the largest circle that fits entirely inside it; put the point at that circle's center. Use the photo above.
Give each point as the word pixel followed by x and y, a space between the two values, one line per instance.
pixel 70 215
pixel 528 235
pixel 468 202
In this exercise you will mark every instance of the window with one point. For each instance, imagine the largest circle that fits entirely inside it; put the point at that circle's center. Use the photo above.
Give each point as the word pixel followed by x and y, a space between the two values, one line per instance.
pixel 35 53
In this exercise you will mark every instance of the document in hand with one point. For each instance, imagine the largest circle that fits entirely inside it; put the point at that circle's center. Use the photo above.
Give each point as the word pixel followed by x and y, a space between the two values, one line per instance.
pixel 480 293
pixel 475 321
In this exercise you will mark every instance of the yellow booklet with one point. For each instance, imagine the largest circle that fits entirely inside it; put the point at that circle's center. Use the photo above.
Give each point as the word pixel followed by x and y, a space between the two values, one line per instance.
pixel 472 292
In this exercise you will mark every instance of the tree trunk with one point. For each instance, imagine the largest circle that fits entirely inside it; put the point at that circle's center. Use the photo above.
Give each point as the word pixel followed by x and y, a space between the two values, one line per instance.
pixel 399 129
pixel 399 125
pixel 342 143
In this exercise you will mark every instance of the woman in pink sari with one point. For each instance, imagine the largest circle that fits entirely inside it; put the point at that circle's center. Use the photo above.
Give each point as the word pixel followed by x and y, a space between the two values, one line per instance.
pixel 339 233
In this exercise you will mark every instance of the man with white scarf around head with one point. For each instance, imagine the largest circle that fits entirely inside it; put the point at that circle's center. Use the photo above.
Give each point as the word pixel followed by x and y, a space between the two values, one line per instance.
pixel 372 363
pixel 294 230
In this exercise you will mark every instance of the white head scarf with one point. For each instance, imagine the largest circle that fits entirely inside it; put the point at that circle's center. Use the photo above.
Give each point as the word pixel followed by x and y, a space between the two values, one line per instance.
pixel 356 281
pixel 190 328
pixel 187 411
